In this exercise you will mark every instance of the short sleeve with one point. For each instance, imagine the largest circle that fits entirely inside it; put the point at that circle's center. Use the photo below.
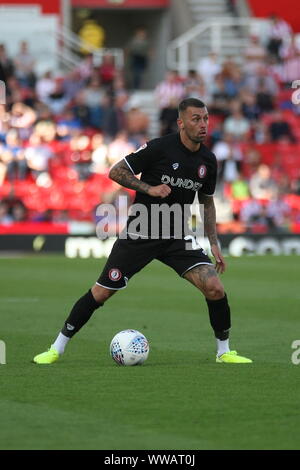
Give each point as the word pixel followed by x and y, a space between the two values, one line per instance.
pixel 143 158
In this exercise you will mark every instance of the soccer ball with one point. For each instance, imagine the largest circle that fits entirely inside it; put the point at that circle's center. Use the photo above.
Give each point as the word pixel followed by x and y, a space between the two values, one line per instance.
pixel 129 348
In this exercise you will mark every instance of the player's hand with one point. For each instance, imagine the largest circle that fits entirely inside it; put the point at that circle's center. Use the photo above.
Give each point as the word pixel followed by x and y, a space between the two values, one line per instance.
pixel 161 190
pixel 220 262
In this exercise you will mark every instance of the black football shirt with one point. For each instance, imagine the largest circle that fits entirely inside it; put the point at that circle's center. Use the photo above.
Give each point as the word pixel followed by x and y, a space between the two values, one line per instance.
pixel 166 160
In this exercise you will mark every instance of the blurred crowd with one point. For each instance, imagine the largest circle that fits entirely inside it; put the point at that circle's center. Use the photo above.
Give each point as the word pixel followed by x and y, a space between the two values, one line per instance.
pixel 59 135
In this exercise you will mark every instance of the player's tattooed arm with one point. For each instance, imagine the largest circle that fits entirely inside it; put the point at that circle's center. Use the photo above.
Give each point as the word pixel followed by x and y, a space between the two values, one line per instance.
pixel 210 230
pixel 209 218
pixel 124 176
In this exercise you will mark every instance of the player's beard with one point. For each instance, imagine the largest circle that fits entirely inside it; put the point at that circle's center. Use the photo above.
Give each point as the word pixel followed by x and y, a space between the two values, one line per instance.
pixel 196 139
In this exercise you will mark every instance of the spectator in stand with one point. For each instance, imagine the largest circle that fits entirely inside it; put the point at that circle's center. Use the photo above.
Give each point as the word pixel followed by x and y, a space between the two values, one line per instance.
pixel 37 155
pixel 239 188
pixel 45 86
pixel 119 89
pixel 107 71
pixel 136 123
pixel 220 98
pixel 19 212
pixel 170 90
pixel 86 68
pixel 57 100
pixel 279 174
pixel 73 83
pixel 14 92
pixel 261 184
pixel 114 116
pixel 5 217
pixel 234 83
pixel 93 34
pixel 81 110
pixel 279 212
pixel 295 186
pixel 255 55
pixel 13 156
pixel 229 157
pixel 259 132
pixel 291 62
pixel 261 78
pixel 168 118
pixel 79 155
pixel 232 5
pixel 194 87
pixel 138 53
pixel 264 99
pixel 92 97
pixel 46 130
pixel 252 160
pixel 250 108
pixel 236 124
pixel 2 77
pixel 24 66
pixel 22 117
pixel 3 167
pixel 208 67
pixel 280 33
pixel 66 124
pixel 99 158
pixel 250 212
pixel 119 147
pixel 229 67
pixel 6 64
pixel 279 128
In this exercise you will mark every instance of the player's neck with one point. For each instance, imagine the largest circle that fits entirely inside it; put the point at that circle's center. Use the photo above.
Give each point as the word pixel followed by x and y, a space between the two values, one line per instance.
pixel 189 144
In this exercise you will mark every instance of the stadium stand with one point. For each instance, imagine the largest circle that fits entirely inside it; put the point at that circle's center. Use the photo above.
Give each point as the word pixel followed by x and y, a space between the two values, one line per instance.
pixel 60 134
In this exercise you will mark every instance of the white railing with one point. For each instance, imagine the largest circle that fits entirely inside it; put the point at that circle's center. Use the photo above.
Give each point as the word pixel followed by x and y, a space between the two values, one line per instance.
pixel 70 46
pixel 184 52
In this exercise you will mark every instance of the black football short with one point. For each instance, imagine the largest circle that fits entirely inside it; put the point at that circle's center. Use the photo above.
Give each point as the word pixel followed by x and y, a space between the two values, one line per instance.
pixel 130 256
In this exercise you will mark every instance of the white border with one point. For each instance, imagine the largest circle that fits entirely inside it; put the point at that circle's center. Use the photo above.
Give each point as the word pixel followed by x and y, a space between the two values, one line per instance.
pixel 114 288
pixel 129 166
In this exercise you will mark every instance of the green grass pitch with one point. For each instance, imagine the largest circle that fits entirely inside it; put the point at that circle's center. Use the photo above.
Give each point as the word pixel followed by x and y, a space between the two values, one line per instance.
pixel 180 398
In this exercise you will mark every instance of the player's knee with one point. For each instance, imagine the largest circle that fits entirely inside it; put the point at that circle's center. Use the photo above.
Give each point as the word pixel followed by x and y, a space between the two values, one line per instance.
pixel 214 290
pixel 101 294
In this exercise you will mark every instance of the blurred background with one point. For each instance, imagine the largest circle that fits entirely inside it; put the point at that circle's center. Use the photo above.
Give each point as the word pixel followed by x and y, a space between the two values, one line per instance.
pixel 86 82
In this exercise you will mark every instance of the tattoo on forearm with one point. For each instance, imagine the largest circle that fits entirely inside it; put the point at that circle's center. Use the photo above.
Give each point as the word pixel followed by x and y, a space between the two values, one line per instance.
pixel 210 219
pixel 122 175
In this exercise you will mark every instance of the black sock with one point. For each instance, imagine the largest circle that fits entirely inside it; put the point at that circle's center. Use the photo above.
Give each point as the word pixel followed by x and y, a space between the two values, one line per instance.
pixel 219 315
pixel 80 314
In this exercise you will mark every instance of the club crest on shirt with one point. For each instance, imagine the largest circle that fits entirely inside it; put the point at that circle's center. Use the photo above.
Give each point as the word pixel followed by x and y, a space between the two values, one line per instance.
pixel 114 274
pixel 175 166
pixel 141 148
pixel 202 171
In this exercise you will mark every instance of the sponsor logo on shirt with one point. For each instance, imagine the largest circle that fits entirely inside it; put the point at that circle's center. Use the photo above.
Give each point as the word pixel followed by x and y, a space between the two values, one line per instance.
pixel 181 183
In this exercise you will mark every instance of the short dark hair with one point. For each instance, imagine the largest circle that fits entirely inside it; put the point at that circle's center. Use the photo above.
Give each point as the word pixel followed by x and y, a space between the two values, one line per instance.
pixel 190 102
